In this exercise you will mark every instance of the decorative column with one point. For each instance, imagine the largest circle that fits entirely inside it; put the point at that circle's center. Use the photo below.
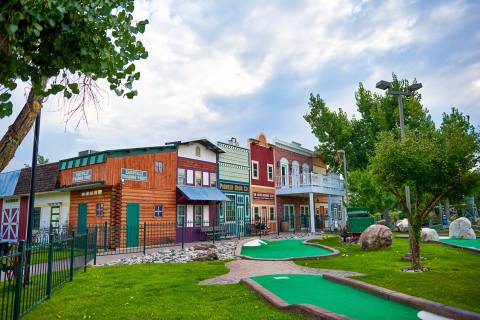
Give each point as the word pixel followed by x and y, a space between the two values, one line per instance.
pixel 312 213
pixel 330 213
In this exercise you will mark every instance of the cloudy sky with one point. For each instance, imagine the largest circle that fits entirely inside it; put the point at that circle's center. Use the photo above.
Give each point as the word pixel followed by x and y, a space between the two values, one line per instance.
pixel 219 69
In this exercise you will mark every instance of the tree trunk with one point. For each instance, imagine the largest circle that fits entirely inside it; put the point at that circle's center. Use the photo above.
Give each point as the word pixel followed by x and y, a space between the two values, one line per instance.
pixel 414 233
pixel 20 127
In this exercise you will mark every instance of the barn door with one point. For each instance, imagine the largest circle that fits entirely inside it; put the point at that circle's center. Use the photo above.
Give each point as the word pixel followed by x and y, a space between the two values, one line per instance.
pixel 9 224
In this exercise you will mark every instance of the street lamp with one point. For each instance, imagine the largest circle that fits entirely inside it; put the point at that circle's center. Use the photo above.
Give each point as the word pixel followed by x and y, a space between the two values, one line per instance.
pixel 342 155
pixel 386 85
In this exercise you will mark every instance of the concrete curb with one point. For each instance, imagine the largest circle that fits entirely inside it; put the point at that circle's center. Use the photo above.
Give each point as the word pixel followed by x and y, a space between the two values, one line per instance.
pixel 306 310
pixel 419 303
pixel 333 251
pixel 456 246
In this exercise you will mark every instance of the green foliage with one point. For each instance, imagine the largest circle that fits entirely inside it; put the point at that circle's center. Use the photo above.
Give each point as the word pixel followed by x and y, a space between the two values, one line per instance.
pixel 366 192
pixel 42 160
pixel 357 137
pixel 68 41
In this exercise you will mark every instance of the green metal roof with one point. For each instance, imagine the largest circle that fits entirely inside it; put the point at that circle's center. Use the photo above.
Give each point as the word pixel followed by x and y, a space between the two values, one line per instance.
pixel 102 156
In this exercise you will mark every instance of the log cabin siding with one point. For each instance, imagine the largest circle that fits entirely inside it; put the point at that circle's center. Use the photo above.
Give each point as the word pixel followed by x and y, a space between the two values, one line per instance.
pixel 109 172
pixel 76 198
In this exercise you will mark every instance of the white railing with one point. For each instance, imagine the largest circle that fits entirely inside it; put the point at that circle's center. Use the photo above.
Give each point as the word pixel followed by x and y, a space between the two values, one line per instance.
pixel 309 180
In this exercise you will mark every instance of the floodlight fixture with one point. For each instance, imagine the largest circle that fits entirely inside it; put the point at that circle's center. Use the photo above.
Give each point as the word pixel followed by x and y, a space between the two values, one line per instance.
pixel 383 85
pixel 414 87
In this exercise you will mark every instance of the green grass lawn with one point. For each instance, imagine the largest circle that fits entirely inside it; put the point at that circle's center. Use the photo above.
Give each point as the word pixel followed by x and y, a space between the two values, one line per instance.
pixel 154 291
pixel 452 279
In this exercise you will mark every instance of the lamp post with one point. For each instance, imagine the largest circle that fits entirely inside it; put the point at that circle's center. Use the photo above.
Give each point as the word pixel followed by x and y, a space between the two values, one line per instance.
pixel 341 153
pixel 386 85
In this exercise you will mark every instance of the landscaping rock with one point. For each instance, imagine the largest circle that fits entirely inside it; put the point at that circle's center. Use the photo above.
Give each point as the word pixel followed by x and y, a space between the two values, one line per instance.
pixel 382 222
pixel 375 237
pixel 207 255
pixel 204 246
pixel 461 228
pixel 402 225
pixel 429 235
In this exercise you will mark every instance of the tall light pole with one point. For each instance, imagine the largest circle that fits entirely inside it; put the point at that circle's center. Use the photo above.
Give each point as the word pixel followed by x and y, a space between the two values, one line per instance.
pixel 386 85
pixel 341 153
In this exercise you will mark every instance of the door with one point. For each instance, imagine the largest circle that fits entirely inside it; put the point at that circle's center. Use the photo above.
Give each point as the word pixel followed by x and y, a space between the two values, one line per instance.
pixel 304 217
pixel 295 174
pixel 9 227
pixel 55 217
pixel 289 215
pixel 82 218
pixel 263 216
pixel 241 220
pixel 133 221
pixel 230 221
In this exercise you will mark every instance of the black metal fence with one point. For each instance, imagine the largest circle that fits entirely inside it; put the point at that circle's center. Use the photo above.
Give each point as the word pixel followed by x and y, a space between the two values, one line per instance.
pixel 30 273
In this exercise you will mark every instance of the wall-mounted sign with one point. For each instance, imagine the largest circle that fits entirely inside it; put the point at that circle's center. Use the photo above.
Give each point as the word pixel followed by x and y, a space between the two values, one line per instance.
pixel 82 176
pixel 262 196
pixel 134 175
pixel 233 187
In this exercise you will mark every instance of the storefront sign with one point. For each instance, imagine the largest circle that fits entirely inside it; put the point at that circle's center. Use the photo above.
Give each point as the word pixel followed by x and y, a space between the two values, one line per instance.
pixel 82 176
pixel 262 196
pixel 134 175
pixel 233 187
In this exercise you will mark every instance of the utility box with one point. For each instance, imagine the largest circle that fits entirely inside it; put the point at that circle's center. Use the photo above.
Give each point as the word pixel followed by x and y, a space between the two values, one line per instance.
pixel 358 219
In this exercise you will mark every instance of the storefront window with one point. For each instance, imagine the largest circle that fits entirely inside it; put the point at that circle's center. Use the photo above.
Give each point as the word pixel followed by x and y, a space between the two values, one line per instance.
pixel 180 215
pixel 158 166
pixel 99 210
pixel 36 218
pixel 158 211
pixel 230 209
pixel 213 179
pixel 198 215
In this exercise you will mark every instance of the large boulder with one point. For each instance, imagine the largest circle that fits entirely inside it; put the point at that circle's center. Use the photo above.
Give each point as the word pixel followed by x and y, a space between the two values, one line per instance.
pixel 461 228
pixel 429 235
pixel 375 237
pixel 402 225
pixel 206 255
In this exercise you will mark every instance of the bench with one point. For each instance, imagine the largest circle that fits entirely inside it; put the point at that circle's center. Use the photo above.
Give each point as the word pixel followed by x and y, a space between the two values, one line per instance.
pixel 209 231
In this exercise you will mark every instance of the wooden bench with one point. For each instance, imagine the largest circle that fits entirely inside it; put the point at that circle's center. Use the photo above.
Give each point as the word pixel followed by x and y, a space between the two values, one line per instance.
pixel 209 231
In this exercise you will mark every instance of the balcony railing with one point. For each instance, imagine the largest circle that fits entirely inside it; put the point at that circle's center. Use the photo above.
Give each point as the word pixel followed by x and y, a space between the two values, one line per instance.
pixel 311 179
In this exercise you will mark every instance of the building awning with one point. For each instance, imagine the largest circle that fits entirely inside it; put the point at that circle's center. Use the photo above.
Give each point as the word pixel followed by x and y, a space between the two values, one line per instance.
pixel 8 183
pixel 83 186
pixel 202 193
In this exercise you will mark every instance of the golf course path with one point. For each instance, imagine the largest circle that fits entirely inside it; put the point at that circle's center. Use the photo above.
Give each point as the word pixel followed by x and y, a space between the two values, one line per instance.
pixel 240 269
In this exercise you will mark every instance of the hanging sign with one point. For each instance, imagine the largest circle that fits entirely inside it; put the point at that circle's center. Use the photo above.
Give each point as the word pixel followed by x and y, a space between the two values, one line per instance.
pixel 134 175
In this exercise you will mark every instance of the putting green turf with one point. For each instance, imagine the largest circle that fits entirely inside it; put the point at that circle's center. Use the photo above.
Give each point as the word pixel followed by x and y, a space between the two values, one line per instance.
pixel 469 243
pixel 338 298
pixel 283 249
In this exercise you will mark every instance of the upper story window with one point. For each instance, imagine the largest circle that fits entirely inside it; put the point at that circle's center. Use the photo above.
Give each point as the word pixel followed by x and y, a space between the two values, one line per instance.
pixel 159 166
pixel 205 177
pixel 36 218
pixel 213 179
pixel 198 178
pixel 189 176
pixel 197 151
pixel 255 172
pixel 270 172
pixel 181 177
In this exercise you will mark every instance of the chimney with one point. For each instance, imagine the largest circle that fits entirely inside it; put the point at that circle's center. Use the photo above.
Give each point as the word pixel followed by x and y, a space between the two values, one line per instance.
pixel 86 152
pixel 233 141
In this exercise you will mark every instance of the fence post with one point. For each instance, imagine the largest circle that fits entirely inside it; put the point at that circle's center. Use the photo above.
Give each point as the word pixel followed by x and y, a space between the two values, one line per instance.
pixel 105 230
pixel 278 224
pixel 95 249
pixel 72 255
pixel 18 281
pixel 213 229
pixel 49 265
pixel 183 231
pixel 144 238
pixel 85 260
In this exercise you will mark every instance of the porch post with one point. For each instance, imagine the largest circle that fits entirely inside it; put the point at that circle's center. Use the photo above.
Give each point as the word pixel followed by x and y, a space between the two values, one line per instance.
pixel 312 213
pixel 330 213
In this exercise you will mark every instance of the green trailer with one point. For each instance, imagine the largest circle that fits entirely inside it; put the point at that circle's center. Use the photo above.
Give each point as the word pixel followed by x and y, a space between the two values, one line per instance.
pixel 358 219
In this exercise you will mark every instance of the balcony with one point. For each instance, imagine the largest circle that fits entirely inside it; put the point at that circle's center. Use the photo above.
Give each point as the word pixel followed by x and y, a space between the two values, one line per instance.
pixel 310 182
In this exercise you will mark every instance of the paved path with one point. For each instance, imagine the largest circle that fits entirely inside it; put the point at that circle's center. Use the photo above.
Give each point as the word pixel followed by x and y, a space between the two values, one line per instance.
pixel 240 269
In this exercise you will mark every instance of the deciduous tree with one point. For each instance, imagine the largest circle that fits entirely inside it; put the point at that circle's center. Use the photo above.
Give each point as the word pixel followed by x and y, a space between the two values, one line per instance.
pixel 64 47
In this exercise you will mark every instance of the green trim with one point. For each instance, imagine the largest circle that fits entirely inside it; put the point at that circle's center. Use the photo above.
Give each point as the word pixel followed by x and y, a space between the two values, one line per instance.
pixel 101 157
pixel 83 186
